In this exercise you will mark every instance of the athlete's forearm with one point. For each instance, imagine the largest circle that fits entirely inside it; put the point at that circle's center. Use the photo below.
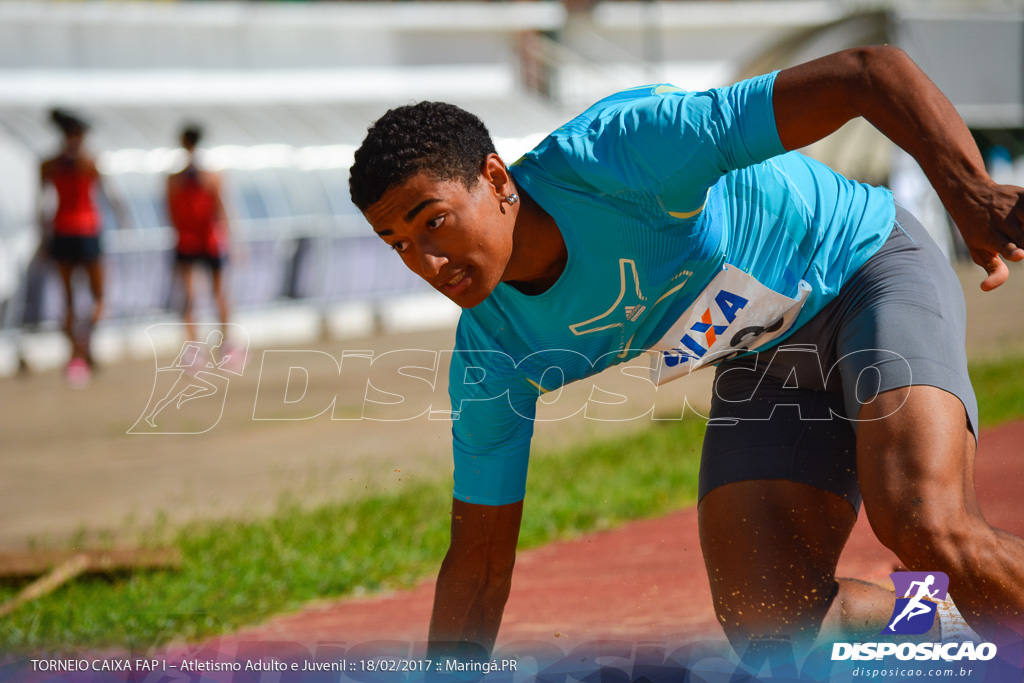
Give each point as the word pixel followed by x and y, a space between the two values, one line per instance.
pixel 468 605
pixel 910 110
pixel 474 581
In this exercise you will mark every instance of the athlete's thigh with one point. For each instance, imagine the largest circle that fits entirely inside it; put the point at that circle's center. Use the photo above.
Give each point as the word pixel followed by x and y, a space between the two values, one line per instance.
pixel 915 456
pixel 66 270
pixel 216 275
pixel 186 275
pixel 771 548
pixel 779 495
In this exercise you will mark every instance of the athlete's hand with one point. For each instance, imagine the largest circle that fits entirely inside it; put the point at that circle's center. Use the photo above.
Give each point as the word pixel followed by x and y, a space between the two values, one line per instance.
pixel 991 220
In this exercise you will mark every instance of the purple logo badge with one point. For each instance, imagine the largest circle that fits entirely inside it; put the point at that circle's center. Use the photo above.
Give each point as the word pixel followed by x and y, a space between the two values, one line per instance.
pixel 914 612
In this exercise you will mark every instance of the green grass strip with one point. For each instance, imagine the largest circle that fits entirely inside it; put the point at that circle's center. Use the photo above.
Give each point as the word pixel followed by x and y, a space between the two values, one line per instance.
pixel 999 389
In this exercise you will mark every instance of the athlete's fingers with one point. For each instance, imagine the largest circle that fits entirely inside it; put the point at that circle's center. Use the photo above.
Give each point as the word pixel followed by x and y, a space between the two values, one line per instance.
pixel 1011 252
pixel 996 269
pixel 1012 230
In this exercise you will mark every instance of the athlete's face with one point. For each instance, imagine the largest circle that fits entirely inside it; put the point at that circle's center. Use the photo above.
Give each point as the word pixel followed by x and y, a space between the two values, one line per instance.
pixel 74 142
pixel 456 238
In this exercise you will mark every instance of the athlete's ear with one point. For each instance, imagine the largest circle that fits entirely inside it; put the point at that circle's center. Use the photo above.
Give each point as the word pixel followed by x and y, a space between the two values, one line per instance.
pixel 497 176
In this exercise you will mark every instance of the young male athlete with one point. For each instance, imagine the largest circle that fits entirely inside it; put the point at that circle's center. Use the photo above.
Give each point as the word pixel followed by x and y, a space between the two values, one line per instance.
pixel 677 221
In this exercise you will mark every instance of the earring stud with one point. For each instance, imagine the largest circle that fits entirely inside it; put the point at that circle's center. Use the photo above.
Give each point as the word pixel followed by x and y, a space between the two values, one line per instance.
pixel 512 199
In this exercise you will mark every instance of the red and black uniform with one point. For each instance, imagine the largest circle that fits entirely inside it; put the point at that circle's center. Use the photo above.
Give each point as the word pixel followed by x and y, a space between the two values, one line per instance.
pixel 76 223
pixel 196 216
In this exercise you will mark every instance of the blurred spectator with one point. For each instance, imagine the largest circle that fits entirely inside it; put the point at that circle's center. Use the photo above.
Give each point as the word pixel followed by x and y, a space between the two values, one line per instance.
pixel 71 236
pixel 198 216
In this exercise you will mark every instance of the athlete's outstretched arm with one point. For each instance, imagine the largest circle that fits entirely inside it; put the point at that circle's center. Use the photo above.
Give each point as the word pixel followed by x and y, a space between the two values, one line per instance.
pixel 475 578
pixel 883 85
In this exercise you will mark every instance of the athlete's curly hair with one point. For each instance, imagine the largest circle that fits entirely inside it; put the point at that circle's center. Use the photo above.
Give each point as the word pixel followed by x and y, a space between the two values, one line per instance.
pixel 438 138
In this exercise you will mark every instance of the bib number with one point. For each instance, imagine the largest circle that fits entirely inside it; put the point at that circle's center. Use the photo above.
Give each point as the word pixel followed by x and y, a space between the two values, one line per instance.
pixel 733 315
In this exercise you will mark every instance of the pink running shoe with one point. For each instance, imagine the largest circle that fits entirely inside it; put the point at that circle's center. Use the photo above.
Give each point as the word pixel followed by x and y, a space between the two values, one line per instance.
pixel 78 373
pixel 235 359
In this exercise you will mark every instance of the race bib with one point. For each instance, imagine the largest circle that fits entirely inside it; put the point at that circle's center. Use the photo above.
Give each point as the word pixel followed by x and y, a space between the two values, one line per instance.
pixel 734 314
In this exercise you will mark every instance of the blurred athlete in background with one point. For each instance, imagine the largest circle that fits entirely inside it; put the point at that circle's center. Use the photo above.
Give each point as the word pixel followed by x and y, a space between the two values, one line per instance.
pixel 197 213
pixel 677 222
pixel 71 237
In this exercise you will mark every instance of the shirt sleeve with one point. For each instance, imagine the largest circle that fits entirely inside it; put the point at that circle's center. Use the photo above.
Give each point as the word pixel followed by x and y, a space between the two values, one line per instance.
pixel 674 143
pixel 493 410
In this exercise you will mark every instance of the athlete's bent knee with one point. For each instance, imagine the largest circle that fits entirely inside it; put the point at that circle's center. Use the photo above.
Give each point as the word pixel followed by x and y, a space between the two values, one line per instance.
pixel 924 539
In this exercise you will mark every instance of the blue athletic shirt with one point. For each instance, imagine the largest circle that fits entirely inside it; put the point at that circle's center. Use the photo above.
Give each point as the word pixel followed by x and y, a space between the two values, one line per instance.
pixel 656 191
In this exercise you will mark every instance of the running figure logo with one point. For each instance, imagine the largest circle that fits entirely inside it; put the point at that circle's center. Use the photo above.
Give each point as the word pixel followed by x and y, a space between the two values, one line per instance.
pixel 189 393
pixel 914 613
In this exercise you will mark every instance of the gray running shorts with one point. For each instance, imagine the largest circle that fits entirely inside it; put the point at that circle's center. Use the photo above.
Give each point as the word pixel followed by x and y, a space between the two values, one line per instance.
pixel 787 413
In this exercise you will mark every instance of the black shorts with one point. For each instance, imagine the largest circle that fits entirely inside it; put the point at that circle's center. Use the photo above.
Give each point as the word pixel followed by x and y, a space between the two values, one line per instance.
pixel 789 412
pixel 75 249
pixel 212 261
